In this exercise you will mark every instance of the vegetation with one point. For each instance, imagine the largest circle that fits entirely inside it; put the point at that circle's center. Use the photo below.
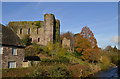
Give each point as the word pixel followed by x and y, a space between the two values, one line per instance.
pixel 17 72
pixel 26 40
pixel 87 33
pixel 68 35
pixel 16 25
pixel 56 61
pixel 57 34
pixel 38 24
pixel 86 45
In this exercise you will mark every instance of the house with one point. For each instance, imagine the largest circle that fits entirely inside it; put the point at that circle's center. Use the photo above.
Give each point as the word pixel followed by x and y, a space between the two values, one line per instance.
pixel 11 49
pixel 68 44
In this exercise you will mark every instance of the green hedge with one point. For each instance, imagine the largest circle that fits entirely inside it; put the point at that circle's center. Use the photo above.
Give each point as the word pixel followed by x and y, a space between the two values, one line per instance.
pixel 58 60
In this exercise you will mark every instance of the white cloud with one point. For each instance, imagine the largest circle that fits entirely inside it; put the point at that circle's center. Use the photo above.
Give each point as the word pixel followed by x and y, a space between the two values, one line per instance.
pixel 116 39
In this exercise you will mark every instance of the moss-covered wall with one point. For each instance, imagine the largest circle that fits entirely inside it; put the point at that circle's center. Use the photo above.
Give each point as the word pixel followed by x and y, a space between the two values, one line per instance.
pixel 47 30
pixel 57 33
pixel 15 25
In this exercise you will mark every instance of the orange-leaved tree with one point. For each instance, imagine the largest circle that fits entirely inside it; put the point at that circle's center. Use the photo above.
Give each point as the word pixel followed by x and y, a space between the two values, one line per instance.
pixel 87 33
pixel 82 44
pixel 92 55
pixel 86 45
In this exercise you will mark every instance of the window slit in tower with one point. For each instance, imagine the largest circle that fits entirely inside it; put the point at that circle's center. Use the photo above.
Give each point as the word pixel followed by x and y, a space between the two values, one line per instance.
pixel 38 39
pixel 29 31
pixel 20 30
pixel 37 30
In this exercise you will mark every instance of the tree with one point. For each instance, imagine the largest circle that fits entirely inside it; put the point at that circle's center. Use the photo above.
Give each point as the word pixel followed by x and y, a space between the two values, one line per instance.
pixel 115 49
pixel 92 55
pixel 86 45
pixel 81 44
pixel 87 33
pixel 68 35
pixel 108 48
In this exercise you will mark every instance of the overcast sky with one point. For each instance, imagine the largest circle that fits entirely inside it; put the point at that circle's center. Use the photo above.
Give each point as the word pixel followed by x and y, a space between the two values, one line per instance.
pixel 101 18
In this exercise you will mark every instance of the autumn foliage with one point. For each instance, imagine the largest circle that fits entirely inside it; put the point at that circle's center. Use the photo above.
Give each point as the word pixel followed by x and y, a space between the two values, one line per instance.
pixel 92 55
pixel 87 33
pixel 82 44
pixel 68 35
pixel 86 45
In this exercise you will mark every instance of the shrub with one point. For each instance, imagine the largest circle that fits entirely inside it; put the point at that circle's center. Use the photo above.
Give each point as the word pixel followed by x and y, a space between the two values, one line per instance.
pixel 51 71
pixel 105 60
pixel 91 55
pixel 52 61
pixel 37 23
pixel 26 40
pixel 55 50
pixel 114 57
pixel 33 50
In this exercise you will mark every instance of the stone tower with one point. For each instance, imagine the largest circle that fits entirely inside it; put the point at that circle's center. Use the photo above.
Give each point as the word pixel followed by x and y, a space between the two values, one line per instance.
pixel 49 25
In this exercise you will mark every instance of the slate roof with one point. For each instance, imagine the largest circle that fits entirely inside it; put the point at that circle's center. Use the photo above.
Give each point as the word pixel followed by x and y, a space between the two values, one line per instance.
pixel 10 38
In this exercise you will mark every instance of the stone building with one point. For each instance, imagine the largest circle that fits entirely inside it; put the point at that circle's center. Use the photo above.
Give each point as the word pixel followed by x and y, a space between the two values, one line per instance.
pixel 11 49
pixel 40 32
pixel 68 44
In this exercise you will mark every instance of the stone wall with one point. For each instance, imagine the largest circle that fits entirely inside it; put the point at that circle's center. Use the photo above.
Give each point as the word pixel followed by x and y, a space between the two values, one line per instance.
pixel 41 32
pixel 7 56
pixel 65 43
pixel 68 44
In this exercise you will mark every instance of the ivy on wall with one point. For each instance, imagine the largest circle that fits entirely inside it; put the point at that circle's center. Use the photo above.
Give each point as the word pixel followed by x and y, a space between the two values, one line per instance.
pixel 15 25
pixel 57 34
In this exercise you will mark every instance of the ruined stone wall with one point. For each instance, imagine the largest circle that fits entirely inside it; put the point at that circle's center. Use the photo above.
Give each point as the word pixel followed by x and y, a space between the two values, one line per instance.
pixel 68 44
pixel 7 56
pixel 41 32
pixel 65 43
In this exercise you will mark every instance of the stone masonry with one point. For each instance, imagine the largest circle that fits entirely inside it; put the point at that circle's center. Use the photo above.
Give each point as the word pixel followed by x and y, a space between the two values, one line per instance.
pixel 41 32
pixel 68 44
pixel 7 56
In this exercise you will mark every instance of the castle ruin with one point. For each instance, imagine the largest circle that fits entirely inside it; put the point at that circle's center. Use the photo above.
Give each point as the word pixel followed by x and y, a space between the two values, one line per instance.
pixel 40 32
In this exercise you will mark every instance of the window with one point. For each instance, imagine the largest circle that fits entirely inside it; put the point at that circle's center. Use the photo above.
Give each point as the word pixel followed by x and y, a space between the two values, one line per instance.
pixel 20 30
pixel 14 51
pixel 38 39
pixel 11 64
pixel 29 31
pixel 30 39
pixel 1 50
pixel 37 30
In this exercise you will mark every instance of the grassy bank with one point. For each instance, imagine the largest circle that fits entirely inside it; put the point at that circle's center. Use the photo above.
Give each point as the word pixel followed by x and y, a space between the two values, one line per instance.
pixel 58 62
